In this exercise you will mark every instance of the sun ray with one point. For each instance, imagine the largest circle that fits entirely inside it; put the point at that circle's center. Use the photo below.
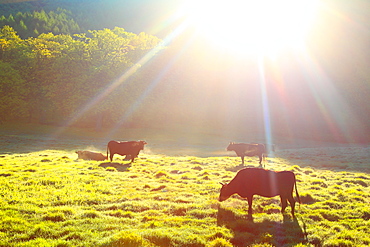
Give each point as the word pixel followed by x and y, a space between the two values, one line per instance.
pixel 332 106
pixel 265 103
pixel 121 80
pixel 156 80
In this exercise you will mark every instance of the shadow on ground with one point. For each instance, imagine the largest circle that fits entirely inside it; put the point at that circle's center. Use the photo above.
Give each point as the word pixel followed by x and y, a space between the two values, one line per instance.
pixel 118 166
pixel 247 231
pixel 241 166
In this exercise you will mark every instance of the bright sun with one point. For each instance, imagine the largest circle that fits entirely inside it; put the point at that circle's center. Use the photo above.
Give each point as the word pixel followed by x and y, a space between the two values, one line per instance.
pixel 263 27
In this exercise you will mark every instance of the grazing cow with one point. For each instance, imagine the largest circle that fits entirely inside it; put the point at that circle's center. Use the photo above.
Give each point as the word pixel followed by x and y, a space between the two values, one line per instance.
pixel 130 148
pixel 88 155
pixel 257 181
pixel 244 149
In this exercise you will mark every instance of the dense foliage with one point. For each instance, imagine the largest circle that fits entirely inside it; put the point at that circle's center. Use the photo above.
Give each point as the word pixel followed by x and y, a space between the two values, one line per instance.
pixel 92 14
pixel 49 77
pixel 32 24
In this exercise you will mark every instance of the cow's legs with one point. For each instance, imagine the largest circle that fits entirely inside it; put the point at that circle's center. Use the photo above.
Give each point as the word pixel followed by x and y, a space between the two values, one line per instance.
pixel 284 203
pixel 111 157
pixel 250 200
pixel 260 156
pixel 292 203
pixel 242 159
pixel 133 156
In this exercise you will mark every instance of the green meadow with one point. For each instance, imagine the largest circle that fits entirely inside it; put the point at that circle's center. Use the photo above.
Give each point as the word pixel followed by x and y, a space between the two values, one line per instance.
pixel 50 198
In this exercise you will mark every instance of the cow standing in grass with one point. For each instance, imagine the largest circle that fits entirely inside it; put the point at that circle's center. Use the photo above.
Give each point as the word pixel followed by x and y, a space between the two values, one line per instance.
pixel 244 149
pixel 128 148
pixel 256 181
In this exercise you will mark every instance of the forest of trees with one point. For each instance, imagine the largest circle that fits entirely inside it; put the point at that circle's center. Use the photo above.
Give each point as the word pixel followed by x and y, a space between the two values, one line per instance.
pixel 89 14
pixel 48 78
pixel 32 24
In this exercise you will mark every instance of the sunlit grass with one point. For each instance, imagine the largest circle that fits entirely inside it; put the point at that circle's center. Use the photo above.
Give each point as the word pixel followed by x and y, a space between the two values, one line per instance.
pixel 49 198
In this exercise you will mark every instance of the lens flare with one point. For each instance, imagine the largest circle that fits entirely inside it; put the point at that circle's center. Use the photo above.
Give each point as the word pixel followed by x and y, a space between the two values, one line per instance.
pixel 265 103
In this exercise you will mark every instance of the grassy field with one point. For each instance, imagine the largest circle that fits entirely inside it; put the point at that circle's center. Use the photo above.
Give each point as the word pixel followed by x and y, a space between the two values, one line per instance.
pixel 49 198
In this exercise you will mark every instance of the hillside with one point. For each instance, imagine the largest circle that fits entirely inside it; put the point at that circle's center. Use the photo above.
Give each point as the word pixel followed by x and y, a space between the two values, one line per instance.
pixel 49 198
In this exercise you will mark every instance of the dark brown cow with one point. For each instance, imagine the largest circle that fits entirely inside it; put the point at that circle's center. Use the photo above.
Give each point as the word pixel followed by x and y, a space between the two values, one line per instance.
pixel 88 155
pixel 257 181
pixel 130 148
pixel 244 149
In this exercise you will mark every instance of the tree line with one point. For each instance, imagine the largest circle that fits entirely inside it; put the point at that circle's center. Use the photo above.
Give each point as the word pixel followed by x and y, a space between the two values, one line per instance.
pixel 32 24
pixel 88 14
pixel 49 78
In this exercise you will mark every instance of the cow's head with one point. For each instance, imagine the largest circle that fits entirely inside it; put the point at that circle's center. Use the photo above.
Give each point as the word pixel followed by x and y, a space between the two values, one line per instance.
pixel 231 146
pixel 224 193
pixel 141 144
pixel 81 154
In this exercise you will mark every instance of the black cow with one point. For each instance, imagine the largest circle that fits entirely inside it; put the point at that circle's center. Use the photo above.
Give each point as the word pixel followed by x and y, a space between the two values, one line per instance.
pixel 257 181
pixel 244 149
pixel 128 148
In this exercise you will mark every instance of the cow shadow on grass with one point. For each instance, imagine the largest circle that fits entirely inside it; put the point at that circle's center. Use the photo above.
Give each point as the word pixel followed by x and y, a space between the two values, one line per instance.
pixel 241 166
pixel 118 166
pixel 248 231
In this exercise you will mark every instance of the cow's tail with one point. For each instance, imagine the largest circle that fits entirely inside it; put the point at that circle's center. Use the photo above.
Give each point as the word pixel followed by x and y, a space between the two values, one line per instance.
pixel 107 151
pixel 296 192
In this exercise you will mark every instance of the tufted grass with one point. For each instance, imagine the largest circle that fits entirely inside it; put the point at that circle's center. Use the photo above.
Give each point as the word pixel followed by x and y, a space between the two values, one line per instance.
pixel 49 198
